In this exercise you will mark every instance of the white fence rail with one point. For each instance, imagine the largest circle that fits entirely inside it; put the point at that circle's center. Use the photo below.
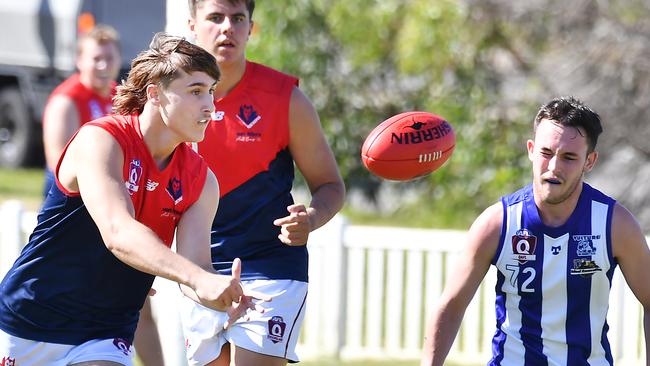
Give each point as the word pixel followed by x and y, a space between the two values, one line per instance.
pixel 371 290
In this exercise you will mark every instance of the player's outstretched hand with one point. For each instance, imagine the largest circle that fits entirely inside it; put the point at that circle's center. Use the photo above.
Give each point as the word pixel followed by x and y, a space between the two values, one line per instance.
pixel 217 291
pixel 296 227
pixel 246 301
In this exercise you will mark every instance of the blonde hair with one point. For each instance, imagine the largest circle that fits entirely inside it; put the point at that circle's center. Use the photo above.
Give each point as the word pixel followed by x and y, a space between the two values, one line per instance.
pixel 102 34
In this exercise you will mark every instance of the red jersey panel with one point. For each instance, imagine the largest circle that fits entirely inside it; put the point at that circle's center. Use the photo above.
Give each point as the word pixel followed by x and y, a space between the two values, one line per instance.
pixel 247 147
pixel 159 196
pixel 249 126
pixel 90 105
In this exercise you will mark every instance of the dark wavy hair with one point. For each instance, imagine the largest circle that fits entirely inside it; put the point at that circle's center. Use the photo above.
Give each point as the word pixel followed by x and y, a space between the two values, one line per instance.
pixel 571 112
pixel 161 63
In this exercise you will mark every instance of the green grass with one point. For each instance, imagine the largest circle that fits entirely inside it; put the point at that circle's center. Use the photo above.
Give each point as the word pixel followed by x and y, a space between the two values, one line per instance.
pixel 22 184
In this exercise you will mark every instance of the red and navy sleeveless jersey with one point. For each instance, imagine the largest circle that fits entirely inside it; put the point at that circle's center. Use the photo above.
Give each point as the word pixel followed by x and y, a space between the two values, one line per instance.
pixel 553 283
pixel 246 146
pixel 66 287
pixel 90 105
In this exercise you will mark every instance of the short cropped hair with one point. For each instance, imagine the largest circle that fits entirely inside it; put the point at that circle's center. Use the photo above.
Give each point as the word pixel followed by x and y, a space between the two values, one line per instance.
pixel 102 34
pixel 250 6
pixel 161 64
pixel 571 112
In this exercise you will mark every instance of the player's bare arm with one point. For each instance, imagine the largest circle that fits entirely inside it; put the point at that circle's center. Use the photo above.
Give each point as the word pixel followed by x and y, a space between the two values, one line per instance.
pixel 316 162
pixel 193 243
pixel 631 250
pixel 98 178
pixel 60 122
pixel 470 269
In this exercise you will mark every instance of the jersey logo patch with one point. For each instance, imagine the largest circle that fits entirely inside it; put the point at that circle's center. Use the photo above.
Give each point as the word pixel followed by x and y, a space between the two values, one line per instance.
pixel 8 361
pixel 135 173
pixel 95 110
pixel 248 116
pixel 556 250
pixel 151 185
pixel 585 244
pixel 523 246
pixel 123 345
pixel 175 190
pixel 584 267
pixel 276 329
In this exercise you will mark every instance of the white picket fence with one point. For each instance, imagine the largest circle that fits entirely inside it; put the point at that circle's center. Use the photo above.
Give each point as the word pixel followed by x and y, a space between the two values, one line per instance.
pixel 371 290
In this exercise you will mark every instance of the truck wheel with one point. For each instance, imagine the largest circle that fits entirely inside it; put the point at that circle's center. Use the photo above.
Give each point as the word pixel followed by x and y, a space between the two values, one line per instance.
pixel 20 137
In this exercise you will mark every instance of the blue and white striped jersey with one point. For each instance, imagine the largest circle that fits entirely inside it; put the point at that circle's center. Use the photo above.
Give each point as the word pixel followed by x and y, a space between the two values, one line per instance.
pixel 553 284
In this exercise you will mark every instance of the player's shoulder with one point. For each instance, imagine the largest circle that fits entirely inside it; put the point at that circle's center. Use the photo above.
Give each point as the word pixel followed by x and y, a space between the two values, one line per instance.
pixel 269 79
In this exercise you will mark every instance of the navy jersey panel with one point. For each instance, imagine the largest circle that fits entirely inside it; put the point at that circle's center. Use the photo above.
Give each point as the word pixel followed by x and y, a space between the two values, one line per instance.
pixel 52 301
pixel 243 227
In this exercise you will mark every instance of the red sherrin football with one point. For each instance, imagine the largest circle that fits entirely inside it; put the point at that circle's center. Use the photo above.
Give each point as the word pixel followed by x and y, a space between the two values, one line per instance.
pixel 408 145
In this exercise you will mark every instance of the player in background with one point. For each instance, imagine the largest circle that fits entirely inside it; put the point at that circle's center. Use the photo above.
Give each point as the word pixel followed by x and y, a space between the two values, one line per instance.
pixel 262 124
pixel 556 244
pixel 124 185
pixel 85 96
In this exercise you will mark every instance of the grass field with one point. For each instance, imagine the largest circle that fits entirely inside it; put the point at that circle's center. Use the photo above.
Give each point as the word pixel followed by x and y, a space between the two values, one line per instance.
pixel 23 184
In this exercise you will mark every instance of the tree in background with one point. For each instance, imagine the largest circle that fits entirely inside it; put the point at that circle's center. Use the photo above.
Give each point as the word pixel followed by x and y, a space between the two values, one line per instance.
pixel 483 65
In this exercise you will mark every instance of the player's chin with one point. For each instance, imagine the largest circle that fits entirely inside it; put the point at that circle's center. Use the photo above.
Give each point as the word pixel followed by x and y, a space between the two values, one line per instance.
pixel 198 136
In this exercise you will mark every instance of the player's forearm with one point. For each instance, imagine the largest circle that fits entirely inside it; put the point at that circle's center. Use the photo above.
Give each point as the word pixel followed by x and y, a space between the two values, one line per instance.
pixel 139 247
pixel 326 201
pixel 440 334
pixel 646 333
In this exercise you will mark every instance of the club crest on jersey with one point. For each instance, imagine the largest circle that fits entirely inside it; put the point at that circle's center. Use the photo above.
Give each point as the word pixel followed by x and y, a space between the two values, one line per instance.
pixel 523 246
pixel 248 116
pixel 556 249
pixel 585 245
pixel 276 329
pixel 8 361
pixel 175 190
pixel 135 173
pixel 584 267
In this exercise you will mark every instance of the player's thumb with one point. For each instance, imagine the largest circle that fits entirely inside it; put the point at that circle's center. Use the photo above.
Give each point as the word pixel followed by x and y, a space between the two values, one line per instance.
pixel 236 269
pixel 295 208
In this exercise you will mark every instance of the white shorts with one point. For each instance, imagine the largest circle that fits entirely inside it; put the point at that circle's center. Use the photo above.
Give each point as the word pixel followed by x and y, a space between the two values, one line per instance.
pixel 274 332
pixel 24 352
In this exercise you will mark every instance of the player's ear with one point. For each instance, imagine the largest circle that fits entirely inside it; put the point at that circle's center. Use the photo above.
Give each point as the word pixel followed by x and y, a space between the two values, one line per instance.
pixel 530 145
pixel 152 94
pixel 591 161
pixel 192 24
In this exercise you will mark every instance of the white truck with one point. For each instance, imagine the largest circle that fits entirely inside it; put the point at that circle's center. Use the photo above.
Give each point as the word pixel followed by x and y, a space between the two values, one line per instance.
pixel 37 51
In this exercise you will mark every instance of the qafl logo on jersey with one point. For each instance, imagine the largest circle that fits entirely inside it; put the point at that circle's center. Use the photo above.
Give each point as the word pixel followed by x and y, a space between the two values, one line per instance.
pixel 135 174
pixel 276 329
pixel 123 345
pixel 175 190
pixel 523 246
pixel 248 116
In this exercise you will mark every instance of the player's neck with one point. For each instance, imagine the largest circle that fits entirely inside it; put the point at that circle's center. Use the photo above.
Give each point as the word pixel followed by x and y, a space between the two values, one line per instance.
pixel 557 214
pixel 104 92
pixel 231 75
pixel 160 140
